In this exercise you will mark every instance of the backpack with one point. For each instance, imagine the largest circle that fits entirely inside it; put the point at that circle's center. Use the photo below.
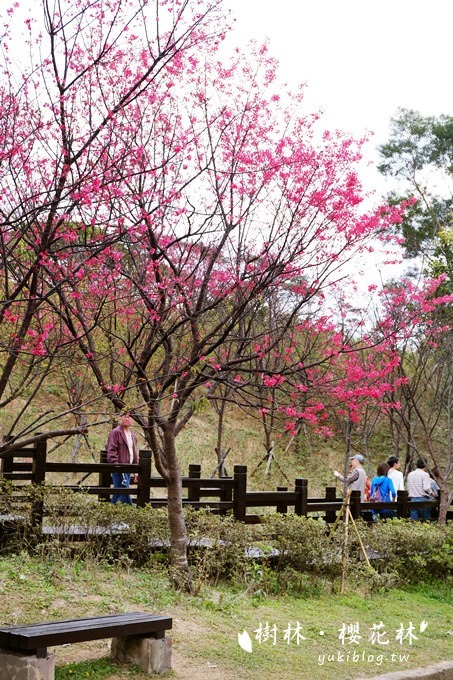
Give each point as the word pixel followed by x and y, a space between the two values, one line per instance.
pixel 376 496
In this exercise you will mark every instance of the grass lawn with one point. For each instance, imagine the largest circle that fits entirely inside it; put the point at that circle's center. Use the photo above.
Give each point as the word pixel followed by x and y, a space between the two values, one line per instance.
pixel 333 636
pixel 325 636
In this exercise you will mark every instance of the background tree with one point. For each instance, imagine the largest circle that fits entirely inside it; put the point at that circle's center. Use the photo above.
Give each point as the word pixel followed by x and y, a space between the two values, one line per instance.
pixel 421 426
pixel 419 154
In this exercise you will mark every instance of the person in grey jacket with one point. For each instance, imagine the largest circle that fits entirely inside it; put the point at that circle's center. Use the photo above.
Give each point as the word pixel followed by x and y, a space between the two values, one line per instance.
pixel 122 448
pixel 356 479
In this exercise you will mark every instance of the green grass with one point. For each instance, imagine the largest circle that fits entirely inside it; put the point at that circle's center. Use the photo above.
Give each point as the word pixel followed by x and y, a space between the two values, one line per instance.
pixel 321 620
pixel 206 627
pixel 100 668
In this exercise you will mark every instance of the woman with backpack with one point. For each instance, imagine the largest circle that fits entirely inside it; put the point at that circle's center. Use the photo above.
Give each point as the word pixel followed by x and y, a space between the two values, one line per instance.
pixel 382 491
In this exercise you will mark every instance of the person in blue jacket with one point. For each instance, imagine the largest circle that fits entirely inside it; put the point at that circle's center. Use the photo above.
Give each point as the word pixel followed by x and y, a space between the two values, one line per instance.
pixel 382 486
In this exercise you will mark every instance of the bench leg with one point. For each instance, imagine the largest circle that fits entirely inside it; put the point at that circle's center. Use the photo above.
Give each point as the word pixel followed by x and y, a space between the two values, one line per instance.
pixel 150 654
pixel 17 666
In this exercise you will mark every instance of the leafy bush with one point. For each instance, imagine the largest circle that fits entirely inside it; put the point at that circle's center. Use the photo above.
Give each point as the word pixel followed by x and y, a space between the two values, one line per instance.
pixel 284 554
pixel 218 546
pixel 109 532
pixel 415 551
pixel 303 544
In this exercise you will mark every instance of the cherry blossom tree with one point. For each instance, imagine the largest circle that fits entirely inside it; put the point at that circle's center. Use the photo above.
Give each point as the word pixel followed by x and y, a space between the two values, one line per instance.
pixel 82 66
pixel 155 201
pixel 421 426
pixel 231 202
pixel 343 377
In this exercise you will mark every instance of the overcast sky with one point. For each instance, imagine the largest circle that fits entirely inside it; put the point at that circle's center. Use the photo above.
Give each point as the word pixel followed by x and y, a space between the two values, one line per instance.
pixel 361 59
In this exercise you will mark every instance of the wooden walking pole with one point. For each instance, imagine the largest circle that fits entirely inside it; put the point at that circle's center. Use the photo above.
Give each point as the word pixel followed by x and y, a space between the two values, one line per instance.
pixel 345 511
pixel 344 559
pixel 340 514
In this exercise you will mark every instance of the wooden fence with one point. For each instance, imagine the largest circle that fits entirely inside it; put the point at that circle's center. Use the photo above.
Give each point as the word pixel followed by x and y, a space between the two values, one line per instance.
pixel 22 467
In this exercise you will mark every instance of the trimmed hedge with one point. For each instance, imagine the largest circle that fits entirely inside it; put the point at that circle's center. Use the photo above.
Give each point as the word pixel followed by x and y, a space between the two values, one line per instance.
pixel 286 553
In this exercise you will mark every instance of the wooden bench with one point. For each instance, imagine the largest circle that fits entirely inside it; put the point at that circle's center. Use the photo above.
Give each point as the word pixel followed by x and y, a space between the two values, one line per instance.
pixel 136 637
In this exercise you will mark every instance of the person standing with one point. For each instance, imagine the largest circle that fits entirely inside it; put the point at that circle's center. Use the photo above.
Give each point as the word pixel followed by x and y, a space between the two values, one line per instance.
pixel 419 489
pixel 356 479
pixel 395 473
pixel 122 449
pixel 382 487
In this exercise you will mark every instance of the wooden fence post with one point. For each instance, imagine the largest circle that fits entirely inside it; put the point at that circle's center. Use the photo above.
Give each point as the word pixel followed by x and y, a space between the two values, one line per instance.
pixel 193 492
pixel 144 478
pixel 104 479
pixel 38 478
pixel 239 492
pixel 282 507
pixel 38 468
pixel 331 495
pixel 355 503
pixel 6 463
pixel 301 505
pixel 402 504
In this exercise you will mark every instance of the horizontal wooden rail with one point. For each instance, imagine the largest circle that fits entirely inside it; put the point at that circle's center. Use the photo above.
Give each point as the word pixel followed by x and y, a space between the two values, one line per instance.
pixel 225 483
pixel 219 495
pixel 257 499
pixel 224 505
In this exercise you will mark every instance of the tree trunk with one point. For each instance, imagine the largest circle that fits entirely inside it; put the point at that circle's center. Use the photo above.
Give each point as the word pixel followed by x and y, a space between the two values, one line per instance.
pixel 221 454
pixel 179 566
pixel 347 452
pixel 445 500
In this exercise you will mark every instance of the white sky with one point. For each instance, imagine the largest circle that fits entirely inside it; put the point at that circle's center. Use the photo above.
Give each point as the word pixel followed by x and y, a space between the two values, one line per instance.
pixel 360 59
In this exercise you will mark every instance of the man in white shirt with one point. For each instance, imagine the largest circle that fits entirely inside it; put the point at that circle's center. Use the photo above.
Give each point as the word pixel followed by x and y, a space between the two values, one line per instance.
pixel 419 489
pixel 395 474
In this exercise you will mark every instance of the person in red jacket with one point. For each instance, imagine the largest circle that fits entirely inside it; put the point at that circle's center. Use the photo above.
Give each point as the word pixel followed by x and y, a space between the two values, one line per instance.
pixel 122 448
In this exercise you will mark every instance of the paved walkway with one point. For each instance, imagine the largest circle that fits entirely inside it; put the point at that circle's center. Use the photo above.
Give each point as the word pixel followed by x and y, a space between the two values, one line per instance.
pixel 439 671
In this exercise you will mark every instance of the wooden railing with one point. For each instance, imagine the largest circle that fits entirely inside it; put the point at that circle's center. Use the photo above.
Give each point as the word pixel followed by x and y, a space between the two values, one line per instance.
pixel 22 467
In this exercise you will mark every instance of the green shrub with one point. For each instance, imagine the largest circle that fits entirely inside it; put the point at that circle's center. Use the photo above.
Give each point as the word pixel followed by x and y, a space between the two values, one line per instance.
pixel 109 532
pixel 415 551
pixel 304 545
pixel 284 554
pixel 218 546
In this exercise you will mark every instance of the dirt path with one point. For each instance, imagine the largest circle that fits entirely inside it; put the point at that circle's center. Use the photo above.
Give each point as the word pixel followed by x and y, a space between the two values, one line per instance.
pixel 184 665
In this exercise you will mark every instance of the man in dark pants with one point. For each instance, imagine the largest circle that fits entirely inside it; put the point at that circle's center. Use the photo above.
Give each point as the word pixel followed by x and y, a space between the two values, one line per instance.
pixel 419 489
pixel 122 449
